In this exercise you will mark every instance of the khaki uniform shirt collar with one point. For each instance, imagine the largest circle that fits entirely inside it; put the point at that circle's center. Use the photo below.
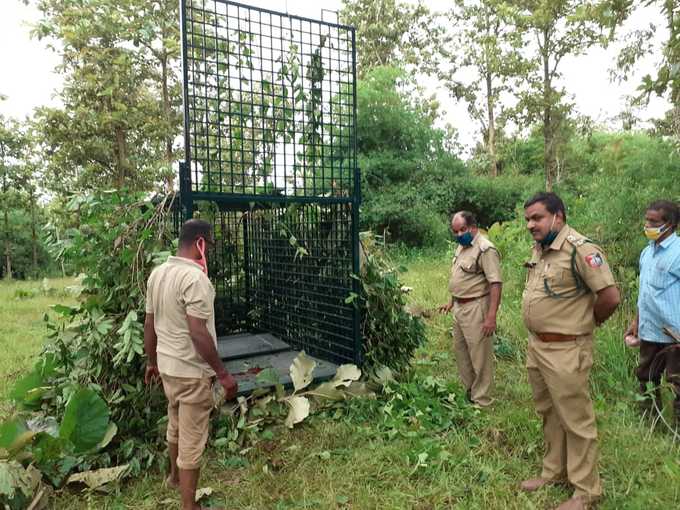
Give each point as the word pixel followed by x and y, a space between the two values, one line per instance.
pixel 559 240
pixel 173 259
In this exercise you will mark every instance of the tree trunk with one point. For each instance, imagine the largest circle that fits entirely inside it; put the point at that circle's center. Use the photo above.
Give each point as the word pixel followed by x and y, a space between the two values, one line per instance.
pixel 167 115
pixel 121 157
pixel 34 238
pixel 548 131
pixel 491 136
pixel 8 248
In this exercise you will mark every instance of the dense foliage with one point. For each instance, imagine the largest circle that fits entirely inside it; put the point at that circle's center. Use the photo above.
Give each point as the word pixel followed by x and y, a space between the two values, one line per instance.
pixel 391 335
pixel 411 179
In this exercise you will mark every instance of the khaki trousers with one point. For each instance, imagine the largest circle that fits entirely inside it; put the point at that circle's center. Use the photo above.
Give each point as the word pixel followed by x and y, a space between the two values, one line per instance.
pixel 474 352
pixel 190 401
pixel 558 373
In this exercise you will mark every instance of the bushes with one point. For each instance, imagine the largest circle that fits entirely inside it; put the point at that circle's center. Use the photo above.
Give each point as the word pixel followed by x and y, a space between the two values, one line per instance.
pixel 98 344
pixel 416 213
pixel 621 175
pixel 391 335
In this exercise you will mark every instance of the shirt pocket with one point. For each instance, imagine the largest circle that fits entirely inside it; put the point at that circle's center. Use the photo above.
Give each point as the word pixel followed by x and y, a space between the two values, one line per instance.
pixel 468 265
pixel 660 277
pixel 559 279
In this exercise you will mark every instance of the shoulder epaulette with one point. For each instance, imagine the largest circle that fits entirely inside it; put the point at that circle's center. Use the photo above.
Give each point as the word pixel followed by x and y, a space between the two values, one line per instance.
pixel 577 241
pixel 485 245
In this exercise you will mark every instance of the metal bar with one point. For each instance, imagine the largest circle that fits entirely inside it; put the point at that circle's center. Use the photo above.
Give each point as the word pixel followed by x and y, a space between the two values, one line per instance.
pixel 356 269
pixel 185 166
pixel 246 199
pixel 285 14
pixel 246 263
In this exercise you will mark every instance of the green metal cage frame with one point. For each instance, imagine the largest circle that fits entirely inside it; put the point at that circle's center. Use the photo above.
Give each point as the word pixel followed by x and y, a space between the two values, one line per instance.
pixel 270 160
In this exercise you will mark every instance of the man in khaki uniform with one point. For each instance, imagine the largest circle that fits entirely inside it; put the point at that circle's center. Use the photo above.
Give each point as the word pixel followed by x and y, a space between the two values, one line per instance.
pixel 180 343
pixel 475 287
pixel 569 291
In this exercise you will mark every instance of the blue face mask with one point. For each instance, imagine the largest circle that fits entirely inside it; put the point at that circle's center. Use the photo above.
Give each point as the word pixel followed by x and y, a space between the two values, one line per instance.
pixel 550 236
pixel 465 239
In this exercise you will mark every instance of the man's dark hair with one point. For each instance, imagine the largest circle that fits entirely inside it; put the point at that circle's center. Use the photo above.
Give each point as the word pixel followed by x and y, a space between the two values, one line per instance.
pixel 192 230
pixel 669 211
pixel 551 201
pixel 470 220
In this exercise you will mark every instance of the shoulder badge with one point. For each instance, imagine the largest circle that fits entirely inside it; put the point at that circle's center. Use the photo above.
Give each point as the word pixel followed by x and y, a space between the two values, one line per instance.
pixel 594 259
pixel 576 241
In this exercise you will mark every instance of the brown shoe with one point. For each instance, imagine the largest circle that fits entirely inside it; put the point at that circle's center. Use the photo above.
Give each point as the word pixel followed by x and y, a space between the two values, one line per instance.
pixel 575 503
pixel 533 484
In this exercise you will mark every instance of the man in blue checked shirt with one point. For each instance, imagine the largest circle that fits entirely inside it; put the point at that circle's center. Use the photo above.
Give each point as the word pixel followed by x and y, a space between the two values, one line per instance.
pixel 659 304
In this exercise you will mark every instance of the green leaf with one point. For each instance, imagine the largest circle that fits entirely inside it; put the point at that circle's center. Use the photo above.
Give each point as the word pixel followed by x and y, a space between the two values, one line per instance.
pixel 64 310
pixel 268 376
pixel 10 431
pixel 111 432
pixel 86 420
pixel 23 391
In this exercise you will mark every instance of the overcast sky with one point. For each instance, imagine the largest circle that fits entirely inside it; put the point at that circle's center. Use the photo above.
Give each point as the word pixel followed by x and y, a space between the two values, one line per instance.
pixel 28 77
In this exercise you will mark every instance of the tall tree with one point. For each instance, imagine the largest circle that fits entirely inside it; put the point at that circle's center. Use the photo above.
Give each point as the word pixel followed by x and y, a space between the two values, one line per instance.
pixel 118 119
pixel 485 45
pixel 391 32
pixel 11 181
pixel 559 28
pixel 666 81
pixel 155 28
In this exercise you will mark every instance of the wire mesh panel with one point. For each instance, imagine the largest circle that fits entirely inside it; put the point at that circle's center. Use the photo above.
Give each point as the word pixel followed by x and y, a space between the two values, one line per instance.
pixel 300 262
pixel 228 273
pixel 270 140
pixel 269 102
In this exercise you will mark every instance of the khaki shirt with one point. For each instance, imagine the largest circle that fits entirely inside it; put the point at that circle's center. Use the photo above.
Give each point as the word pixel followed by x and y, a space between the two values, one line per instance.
pixel 571 314
pixel 474 268
pixel 176 289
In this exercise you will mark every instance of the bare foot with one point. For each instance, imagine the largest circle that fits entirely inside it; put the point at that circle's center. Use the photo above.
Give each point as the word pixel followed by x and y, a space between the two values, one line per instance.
pixel 171 482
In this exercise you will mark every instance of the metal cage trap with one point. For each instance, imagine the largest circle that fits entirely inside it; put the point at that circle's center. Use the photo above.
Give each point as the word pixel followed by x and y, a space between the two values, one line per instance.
pixel 270 148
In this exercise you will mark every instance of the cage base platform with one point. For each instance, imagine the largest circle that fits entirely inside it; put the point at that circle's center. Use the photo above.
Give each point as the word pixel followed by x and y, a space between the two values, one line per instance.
pixel 245 345
pixel 245 370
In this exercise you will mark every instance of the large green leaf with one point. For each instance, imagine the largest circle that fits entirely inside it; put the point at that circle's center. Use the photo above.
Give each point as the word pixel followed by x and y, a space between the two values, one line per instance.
pixel 86 420
pixel 10 431
pixel 26 391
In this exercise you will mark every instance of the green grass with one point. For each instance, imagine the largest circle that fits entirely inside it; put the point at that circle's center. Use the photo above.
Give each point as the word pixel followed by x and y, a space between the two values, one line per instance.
pixel 338 463
pixel 22 330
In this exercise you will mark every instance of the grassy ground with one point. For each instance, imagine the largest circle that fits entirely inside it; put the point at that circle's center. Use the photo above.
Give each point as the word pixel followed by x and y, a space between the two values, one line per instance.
pixel 22 329
pixel 338 463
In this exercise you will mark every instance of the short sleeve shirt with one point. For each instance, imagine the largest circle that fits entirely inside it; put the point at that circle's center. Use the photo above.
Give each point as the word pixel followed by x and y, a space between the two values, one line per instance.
pixel 176 289
pixel 554 301
pixel 474 268
pixel 659 298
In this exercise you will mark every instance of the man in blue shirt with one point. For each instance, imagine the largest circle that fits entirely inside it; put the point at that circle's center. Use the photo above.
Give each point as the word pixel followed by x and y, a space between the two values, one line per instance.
pixel 659 305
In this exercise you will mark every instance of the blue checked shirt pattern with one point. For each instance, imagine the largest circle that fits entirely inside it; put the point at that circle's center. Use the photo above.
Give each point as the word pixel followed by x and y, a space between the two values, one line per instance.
pixel 659 298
